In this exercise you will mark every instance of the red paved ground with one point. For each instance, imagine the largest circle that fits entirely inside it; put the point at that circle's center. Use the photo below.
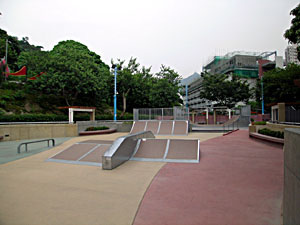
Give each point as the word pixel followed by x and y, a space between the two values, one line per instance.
pixel 238 181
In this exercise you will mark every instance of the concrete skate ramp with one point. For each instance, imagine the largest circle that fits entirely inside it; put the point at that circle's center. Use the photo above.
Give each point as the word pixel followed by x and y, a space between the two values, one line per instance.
pixel 168 150
pixel 138 126
pixel 122 149
pixel 84 153
pixel 166 127
pixel 152 126
pixel 180 128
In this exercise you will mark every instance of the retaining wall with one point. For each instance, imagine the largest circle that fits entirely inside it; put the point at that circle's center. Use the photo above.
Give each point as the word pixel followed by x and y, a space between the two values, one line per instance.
pixel 34 131
pixel 291 193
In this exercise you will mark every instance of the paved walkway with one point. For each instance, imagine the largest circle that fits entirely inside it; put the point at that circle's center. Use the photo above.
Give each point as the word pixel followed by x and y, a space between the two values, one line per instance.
pixel 33 191
pixel 8 149
pixel 238 181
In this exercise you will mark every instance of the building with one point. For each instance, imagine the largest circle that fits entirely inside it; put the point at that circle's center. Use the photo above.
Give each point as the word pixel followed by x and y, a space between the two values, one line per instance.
pixel 246 65
pixel 291 54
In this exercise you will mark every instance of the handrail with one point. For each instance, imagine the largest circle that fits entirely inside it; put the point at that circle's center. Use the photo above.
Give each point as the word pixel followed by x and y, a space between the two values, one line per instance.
pixel 31 142
pixel 232 121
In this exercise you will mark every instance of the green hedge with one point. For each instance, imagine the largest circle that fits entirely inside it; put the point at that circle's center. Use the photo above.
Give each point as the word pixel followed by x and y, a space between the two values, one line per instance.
pixel 260 123
pixel 54 117
pixel 97 128
pixel 272 133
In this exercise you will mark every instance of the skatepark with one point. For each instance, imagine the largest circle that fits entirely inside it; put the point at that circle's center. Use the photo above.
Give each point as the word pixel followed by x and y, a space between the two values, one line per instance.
pixel 169 176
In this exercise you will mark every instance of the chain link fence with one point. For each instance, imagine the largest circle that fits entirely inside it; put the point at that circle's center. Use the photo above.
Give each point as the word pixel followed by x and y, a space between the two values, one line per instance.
pixel 175 113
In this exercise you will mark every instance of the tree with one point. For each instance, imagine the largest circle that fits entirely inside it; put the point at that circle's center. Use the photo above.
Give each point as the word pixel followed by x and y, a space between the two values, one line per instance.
pixel 226 92
pixel 73 71
pixel 35 61
pixel 279 85
pixel 293 33
pixel 13 49
pixel 165 88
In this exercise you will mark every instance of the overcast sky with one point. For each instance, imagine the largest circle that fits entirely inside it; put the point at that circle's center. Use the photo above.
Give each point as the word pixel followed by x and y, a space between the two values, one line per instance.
pixel 182 34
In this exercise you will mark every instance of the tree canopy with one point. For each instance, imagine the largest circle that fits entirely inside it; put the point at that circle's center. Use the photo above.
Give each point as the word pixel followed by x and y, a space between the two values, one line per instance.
pixel 72 70
pixel 224 91
pixel 293 33
pixel 279 85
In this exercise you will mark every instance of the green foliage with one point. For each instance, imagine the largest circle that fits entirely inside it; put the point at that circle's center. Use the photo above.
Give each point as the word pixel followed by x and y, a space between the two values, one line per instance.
pixel 260 123
pixel 279 85
pixel 272 133
pixel 13 49
pixel 97 128
pixel 226 92
pixel 73 72
pixel 35 61
pixel 293 33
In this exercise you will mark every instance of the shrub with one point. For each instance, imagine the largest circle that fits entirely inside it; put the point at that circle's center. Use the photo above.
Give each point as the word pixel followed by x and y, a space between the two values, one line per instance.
pixel 260 123
pixel 272 133
pixel 96 128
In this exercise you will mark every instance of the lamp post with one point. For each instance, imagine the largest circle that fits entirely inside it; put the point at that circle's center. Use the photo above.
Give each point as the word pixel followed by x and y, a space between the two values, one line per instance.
pixel 115 92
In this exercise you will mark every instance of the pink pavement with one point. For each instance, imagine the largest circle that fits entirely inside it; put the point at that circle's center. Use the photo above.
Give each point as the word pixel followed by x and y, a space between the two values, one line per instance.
pixel 238 181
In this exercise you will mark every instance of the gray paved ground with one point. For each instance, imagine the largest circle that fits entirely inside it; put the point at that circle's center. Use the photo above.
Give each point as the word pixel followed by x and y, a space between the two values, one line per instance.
pixel 8 149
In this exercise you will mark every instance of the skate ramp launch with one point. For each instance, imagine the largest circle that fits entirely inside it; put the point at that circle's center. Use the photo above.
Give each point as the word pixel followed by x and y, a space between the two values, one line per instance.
pixel 142 146
pixel 169 127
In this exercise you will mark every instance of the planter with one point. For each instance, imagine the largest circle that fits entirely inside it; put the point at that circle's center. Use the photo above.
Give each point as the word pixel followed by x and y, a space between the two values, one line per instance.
pixel 97 132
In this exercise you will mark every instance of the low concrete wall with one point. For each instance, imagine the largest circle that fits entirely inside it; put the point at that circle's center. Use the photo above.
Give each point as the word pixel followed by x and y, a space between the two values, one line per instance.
pixel 291 194
pixel 33 131
pixel 280 127
pixel 271 126
pixel 120 125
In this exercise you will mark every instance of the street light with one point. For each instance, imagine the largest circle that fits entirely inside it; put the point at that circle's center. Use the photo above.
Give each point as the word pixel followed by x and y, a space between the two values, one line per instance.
pixel 115 91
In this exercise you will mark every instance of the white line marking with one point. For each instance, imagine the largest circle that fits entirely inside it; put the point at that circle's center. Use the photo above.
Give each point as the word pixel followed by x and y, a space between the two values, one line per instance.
pixel 93 149
pixel 158 127
pixel 136 147
pixel 167 149
pixel 173 127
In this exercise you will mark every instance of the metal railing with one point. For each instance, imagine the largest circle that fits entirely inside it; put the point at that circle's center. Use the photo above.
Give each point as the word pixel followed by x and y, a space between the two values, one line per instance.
pixel 31 142
pixel 175 113
pixel 232 123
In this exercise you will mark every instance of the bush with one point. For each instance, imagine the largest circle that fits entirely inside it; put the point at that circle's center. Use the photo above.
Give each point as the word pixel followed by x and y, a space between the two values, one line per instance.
pixel 96 128
pixel 260 123
pixel 272 133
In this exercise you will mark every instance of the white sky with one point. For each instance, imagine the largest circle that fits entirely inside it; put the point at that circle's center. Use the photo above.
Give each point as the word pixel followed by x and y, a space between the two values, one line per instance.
pixel 182 34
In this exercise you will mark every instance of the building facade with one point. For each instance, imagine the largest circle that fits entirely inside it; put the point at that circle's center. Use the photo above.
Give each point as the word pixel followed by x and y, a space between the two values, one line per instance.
pixel 291 55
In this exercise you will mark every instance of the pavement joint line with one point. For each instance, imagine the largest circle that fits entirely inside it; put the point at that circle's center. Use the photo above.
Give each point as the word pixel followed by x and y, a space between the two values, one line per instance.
pixel 74 162
pixel 167 149
pixel 89 152
pixel 137 147
pixel 173 127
